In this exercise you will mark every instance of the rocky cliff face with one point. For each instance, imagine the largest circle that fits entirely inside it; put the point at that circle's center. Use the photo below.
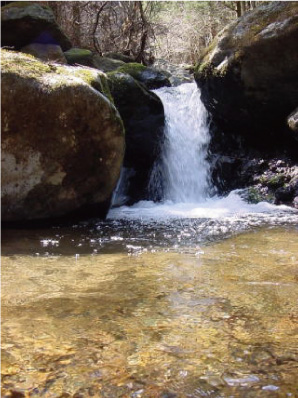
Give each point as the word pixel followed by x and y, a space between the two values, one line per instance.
pixel 249 83
pixel 62 140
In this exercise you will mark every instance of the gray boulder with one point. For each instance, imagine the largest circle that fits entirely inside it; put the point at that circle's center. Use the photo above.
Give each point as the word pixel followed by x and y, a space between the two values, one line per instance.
pixel 150 77
pixel 249 76
pixel 62 141
pixel 45 52
pixel 24 23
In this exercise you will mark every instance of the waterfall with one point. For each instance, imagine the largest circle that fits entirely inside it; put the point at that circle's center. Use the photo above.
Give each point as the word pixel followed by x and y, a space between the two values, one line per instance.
pixel 180 179
pixel 183 171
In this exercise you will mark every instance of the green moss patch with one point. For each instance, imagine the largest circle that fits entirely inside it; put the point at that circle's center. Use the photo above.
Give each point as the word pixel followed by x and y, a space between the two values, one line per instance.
pixel 133 69
pixel 27 66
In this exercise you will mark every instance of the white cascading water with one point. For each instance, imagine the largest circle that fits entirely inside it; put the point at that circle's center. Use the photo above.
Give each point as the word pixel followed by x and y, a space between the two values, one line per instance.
pixel 184 168
pixel 181 178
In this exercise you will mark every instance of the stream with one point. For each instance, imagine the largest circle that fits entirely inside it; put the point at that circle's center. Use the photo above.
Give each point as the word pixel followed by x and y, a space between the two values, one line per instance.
pixel 194 296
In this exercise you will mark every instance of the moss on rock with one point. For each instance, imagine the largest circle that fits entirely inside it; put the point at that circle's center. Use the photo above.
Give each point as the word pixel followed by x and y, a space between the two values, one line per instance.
pixel 150 77
pixel 133 69
pixel 248 76
pixel 79 56
pixel 62 140
pixel 25 65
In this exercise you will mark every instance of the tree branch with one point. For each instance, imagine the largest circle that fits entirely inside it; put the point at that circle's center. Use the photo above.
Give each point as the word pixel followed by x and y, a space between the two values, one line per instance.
pixel 96 26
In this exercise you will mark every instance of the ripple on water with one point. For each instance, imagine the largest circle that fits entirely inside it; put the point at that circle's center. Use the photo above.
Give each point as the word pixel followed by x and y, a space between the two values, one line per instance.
pixel 220 323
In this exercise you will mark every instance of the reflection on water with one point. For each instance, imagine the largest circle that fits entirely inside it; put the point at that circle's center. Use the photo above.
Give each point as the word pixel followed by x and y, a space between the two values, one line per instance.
pixel 219 320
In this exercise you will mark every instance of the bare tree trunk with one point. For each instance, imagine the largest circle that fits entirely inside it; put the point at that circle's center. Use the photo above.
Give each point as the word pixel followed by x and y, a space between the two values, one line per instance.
pixel 76 21
pixel 95 41
pixel 141 55
pixel 238 8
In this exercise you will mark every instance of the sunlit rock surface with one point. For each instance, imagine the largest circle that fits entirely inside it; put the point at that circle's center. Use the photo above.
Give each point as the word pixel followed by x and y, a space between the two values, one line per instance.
pixel 249 75
pixel 62 140
pixel 45 52
pixel 249 84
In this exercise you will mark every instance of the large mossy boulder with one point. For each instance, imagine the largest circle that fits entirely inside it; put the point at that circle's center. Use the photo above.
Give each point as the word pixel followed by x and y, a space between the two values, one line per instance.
pixel 249 76
pixel 24 23
pixel 150 77
pixel 143 117
pixel 62 141
pixel 81 56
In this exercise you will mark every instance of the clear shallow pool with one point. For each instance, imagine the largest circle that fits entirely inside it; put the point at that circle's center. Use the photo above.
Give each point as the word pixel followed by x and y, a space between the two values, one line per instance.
pixel 146 309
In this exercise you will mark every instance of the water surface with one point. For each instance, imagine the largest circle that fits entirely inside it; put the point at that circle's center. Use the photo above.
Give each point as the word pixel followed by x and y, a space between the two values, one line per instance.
pixel 84 315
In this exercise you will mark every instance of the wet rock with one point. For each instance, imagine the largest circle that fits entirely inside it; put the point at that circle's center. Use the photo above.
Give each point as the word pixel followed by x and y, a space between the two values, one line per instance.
pixel 143 117
pixel 289 191
pixel 248 77
pixel 293 122
pixel 24 23
pixel 150 77
pixel 271 180
pixel 45 52
pixel 62 141
pixel 177 74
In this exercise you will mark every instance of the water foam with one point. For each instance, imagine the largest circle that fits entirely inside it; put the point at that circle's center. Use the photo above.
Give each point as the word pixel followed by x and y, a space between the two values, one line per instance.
pixel 231 206
pixel 185 171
